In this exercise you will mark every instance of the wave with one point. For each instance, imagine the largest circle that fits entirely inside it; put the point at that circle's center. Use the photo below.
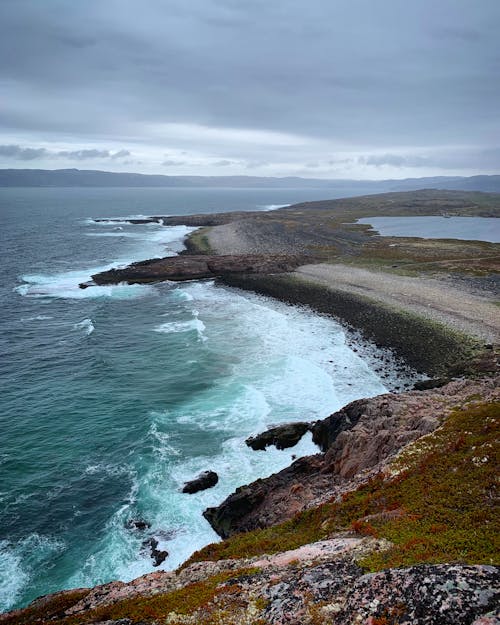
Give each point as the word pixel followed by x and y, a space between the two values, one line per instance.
pixel 193 325
pixel 86 325
pixel 20 561
pixel 36 318
pixel 157 242
pixel 272 207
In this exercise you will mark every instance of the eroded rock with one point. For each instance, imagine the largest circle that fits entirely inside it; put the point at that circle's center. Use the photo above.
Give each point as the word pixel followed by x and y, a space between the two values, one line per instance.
pixel 282 436
pixel 196 267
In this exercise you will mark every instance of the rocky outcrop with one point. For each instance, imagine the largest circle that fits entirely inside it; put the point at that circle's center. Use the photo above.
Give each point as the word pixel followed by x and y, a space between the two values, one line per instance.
pixel 358 441
pixel 422 595
pixel 316 583
pixel 157 555
pixel 205 480
pixel 282 436
pixel 185 267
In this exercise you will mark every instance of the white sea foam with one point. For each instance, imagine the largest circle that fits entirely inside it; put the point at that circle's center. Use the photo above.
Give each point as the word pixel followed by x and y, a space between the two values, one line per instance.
pixel 285 364
pixel 19 560
pixel 85 325
pixel 195 325
pixel 149 244
pixel 272 207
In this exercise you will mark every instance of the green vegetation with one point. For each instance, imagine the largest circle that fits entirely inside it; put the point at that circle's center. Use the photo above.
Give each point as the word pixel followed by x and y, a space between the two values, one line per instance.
pixel 444 491
pixel 197 242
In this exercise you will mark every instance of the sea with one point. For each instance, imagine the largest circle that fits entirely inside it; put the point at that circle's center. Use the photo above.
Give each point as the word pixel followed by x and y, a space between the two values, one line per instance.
pixel 114 396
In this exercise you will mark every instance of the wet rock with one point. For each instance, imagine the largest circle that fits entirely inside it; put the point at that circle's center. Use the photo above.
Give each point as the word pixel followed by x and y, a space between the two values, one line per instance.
pixel 157 555
pixel 205 480
pixel 266 501
pixel 137 524
pixel 281 436
pixel 85 285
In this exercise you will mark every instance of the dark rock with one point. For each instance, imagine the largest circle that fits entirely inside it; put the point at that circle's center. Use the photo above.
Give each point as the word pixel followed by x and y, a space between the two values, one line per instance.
pixel 137 524
pixel 266 501
pixel 426 385
pixel 157 555
pixel 85 285
pixel 281 436
pixel 326 431
pixel 205 480
pixel 195 267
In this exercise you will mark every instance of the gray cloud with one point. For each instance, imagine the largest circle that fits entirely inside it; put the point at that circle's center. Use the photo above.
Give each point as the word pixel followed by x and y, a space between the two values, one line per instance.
pixel 16 152
pixel 223 163
pixel 173 163
pixel 81 155
pixel 353 76
pixel 120 154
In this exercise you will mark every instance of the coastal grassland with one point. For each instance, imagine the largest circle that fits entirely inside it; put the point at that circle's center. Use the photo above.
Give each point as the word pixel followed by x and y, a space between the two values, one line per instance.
pixel 425 344
pixel 414 256
pixel 443 487
pixel 197 242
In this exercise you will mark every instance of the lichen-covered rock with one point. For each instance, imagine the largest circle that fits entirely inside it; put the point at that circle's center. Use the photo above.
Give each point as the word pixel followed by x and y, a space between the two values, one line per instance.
pixel 422 595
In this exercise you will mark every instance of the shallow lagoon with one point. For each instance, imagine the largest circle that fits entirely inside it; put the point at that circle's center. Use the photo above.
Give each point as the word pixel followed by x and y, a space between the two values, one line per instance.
pixel 466 228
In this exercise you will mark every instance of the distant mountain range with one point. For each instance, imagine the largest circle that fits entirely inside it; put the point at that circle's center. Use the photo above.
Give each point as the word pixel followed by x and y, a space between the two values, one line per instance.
pixel 95 178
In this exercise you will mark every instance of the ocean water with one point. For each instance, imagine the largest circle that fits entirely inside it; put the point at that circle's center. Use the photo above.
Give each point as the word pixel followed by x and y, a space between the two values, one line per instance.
pixel 113 396
pixel 433 227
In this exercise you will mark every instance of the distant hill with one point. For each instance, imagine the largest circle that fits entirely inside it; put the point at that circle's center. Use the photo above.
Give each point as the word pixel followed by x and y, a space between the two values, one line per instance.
pixel 96 178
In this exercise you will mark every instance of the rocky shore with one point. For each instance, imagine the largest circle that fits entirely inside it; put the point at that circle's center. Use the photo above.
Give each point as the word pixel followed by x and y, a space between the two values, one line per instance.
pixel 395 520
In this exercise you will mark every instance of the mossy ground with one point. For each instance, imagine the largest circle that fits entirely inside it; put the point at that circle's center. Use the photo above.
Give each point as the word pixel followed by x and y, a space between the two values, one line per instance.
pixel 445 488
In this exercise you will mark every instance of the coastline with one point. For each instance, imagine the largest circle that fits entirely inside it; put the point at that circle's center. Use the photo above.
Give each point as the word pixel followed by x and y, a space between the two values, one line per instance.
pixel 435 346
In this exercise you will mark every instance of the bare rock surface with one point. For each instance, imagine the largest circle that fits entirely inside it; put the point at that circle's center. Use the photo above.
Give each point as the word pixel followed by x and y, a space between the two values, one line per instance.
pixel 196 267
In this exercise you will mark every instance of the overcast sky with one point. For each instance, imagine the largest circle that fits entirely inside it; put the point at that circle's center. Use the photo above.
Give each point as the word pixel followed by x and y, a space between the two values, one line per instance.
pixel 316 88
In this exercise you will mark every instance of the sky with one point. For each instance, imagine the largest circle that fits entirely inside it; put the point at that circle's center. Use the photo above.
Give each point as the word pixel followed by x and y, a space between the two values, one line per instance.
pixel 366 89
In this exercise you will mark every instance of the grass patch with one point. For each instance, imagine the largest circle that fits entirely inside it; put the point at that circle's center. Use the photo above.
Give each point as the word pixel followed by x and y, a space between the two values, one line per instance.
pixel 445 488
pixel 197 242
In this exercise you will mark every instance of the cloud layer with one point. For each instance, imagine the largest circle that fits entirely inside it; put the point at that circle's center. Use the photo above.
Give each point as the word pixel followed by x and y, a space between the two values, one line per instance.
pixel 351 88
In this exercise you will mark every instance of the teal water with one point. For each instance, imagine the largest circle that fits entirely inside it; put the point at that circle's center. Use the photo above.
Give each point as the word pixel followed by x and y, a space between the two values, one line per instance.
pixel 112 397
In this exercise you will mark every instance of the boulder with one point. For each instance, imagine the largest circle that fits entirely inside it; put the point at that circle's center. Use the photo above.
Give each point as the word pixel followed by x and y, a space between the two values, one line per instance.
pixel 157 555
pixel 137 524
pixel 205 480
pixel 282 436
